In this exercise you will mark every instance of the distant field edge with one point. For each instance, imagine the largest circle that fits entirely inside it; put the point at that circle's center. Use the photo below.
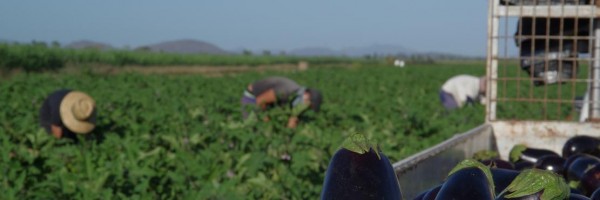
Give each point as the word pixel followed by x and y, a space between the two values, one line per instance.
pixel 175 69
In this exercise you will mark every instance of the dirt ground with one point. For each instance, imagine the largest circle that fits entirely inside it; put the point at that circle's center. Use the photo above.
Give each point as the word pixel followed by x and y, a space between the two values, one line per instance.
pixel 169 70
pixel 180 70
pixel 210 71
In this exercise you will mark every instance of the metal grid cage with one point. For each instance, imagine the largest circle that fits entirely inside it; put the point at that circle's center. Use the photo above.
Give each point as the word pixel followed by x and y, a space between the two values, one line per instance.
pixel 543 60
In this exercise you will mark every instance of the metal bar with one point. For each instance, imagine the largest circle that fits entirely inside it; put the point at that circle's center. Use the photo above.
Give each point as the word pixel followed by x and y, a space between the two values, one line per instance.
pixel 532 49
pixel 432 165
pixel 553 11
pixel 537 100
pixel 595 92
pixel 505 66
pixel 520 79
pixel 492 64
pixel 556 37
pixel 546 65
pixel 562 36
pixel 560 61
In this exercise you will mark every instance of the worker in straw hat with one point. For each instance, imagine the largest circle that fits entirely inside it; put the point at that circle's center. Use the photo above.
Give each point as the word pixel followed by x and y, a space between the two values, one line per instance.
pixel 65 113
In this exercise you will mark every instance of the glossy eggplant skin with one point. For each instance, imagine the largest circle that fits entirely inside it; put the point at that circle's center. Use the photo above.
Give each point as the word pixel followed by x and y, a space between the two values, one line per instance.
pixel 581 144
pixel 570 160
pixel 498 163
pixel 574 196
pixel 576 191
pixel 467 183
pixel 351 175
pixel 420 196
pixel 429 194
pixel 591 180
pixel 578 167
pixel 552 163
pixel 595 195
pixel 585 170
pixel 432 194
pixel 521 165
pixel 503 178
pixel 530 154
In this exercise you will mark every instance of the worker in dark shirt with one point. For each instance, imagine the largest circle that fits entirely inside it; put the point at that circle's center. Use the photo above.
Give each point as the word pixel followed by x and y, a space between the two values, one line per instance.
pixel 65 113
pixel 281 92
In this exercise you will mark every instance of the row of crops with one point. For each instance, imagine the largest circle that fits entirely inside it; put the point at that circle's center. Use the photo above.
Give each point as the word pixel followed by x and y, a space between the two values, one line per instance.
pixel 181 137
pixel 42 57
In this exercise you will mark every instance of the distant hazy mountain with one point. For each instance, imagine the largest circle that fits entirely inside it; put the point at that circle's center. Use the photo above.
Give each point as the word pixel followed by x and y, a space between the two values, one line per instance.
pixel 190 46
pixel 185 46
pixel 87 44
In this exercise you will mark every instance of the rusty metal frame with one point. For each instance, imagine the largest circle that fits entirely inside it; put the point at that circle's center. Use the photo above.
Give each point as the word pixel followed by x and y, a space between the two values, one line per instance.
pixel 499 134
pixel 497 84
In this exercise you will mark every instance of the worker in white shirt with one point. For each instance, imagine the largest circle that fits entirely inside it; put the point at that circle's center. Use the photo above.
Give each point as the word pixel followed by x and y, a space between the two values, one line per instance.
pixel 462 90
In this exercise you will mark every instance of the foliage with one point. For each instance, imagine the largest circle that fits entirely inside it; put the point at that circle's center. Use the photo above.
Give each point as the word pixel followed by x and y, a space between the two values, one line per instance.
pixel 180 137
pixel 516 92
pixel 35 57
pixel 40 57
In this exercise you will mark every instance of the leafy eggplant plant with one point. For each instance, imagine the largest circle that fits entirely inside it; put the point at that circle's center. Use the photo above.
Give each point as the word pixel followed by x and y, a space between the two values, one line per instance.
pixel 536 184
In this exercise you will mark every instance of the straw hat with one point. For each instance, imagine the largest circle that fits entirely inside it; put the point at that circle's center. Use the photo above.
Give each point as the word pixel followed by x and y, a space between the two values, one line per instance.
pixel 76 110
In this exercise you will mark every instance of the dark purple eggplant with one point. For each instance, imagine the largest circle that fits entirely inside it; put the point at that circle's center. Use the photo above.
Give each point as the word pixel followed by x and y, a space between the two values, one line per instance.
pixel 498 163
pixel 470 179
pixel 421 195
pixel 578 166
pixel 570 160
pixel 595 195
pixel 574 196
pixel 552 163
pixel 590 181
pixel 581 144
pixel 576 191
pixel 584 174
pixel 521 152
pixel 536 196
pixel 503 178
pixel 429 194
pixel 432 194
pixel 359 171
pixel 522 165
pixel 492 159
pixel 535 184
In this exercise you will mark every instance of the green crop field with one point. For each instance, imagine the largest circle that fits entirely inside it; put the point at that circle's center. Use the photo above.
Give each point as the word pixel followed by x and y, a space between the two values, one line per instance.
pixel 181 137
pixel 43 57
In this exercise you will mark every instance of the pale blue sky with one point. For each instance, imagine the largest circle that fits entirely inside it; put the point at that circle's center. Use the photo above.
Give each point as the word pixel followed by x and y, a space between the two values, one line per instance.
pixel 440 25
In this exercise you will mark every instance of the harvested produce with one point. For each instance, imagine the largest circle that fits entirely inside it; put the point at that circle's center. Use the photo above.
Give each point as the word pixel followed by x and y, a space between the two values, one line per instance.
pixel 360 171
pixel 470 179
